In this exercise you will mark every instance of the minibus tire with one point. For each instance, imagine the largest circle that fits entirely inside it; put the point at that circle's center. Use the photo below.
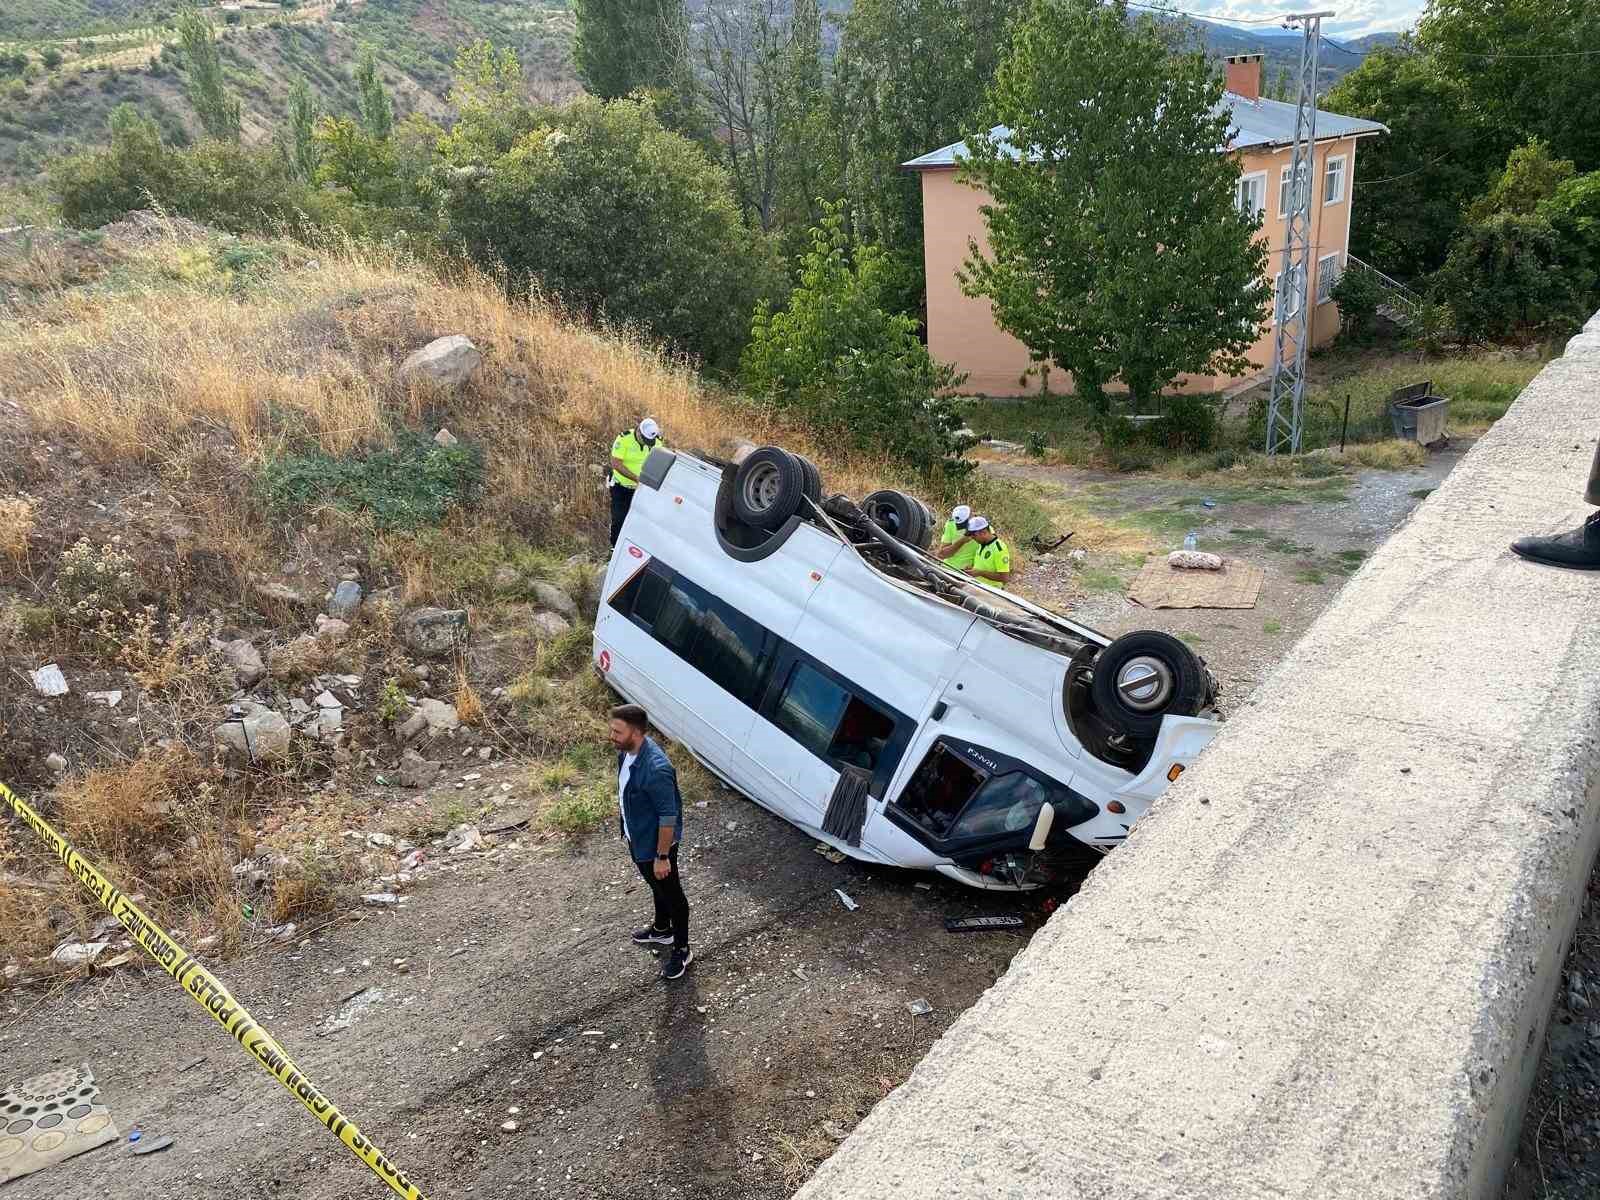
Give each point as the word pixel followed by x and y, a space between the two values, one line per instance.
pixel 1179 682
pixel 813 479
pixel 775 468
pixel 901 515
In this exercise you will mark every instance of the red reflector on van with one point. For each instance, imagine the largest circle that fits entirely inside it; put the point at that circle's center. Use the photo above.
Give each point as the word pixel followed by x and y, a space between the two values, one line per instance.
pixel 816 577
pixel 986 867
pixel 1177 769
pixel 1116 807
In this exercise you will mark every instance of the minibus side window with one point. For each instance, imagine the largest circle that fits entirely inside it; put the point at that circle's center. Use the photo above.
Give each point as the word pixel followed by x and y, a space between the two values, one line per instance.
pixel 831 721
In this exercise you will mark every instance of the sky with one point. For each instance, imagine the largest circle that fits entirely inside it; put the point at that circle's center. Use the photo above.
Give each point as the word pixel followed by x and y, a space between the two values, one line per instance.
pixel 1354 17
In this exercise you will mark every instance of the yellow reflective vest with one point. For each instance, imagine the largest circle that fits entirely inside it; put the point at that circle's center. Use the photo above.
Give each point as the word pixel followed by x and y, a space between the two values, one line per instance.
pixel 962 558
pixel 632 452
pixel 996 557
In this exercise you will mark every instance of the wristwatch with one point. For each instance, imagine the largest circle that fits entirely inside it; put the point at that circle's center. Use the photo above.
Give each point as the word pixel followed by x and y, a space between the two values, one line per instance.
pixel 663 858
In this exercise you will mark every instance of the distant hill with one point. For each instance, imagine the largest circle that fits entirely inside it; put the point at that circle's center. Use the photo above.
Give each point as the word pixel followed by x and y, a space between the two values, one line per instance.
pixel 1338 57
pixel 65 64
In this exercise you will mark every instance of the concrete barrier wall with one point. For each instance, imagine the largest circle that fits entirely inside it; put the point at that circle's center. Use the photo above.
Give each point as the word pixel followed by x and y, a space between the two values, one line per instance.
pixel 1322 966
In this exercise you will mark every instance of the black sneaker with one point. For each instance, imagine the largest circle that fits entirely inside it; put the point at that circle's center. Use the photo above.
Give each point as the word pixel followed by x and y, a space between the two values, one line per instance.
pixel 682 956
pixel 1577 549
pixel 651 936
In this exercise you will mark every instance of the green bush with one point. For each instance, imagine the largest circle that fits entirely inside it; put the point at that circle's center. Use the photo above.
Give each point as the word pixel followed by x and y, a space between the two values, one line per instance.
pixel 848 369
pixel 51 57
pixel 1513 277
pixel 602 209
pixel 411 484
pixel 1358 294
pixel 1188 424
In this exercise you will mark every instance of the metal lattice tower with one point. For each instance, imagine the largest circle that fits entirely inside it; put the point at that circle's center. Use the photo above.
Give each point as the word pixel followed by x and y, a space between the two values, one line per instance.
pixel 1292 329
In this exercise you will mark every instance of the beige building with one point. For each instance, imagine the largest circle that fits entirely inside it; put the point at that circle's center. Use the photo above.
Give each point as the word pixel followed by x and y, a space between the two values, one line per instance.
pixel 961 328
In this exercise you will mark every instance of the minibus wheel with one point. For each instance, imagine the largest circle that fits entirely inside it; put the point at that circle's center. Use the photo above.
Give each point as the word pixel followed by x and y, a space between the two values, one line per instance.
pixel 1142 677
pixel 900 515
pixel 813 479
pixel 768 488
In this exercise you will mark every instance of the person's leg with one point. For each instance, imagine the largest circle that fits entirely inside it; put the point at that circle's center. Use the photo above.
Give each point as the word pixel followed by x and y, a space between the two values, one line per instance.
pixel 677 904
pixel 1577 549
pixel 621 501
pixel 660 894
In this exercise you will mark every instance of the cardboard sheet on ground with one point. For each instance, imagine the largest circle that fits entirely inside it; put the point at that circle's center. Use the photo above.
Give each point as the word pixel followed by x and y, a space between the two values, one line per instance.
pixel 1160 586
pixel 49 1119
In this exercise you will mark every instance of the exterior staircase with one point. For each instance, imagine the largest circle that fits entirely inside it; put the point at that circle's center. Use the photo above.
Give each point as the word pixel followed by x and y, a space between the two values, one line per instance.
pixel 1399 304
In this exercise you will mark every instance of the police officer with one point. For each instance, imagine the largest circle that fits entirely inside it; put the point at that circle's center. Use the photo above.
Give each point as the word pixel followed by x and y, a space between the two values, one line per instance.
pixel 992 563
pixel 956 547
pixel 628 452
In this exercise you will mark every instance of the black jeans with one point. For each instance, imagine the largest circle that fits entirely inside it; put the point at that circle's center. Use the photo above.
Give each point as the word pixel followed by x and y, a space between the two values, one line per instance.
pixel 672 906
pixel 1593 494
pixel 621 501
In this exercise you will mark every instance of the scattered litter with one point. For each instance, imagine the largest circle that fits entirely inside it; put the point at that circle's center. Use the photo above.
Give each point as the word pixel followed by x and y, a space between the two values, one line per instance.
pixel 593 1033
pixel 78 954
pixel 1208 504
pixel 109 699
pixel 511 821
pixel 923 887
pixel 49 681
pixel 919 1008
pixel 413 860
pixel 111 964
pixel 509 1127
pixel 828 852
pixel 383 900
pixel 979 924
pixel 66 1088
pixel 56 763
pixel 800 974
pixel 152 1145
pixel 845 898
pixel 351 1008
pixel 135 1134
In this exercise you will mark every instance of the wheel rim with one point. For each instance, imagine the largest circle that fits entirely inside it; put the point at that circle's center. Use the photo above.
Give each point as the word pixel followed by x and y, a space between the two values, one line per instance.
pixel 885 515
pixel 761 487
pixel 1145 683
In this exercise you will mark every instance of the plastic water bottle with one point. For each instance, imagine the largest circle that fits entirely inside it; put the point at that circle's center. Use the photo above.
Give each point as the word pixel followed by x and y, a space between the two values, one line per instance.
pixel 1189 542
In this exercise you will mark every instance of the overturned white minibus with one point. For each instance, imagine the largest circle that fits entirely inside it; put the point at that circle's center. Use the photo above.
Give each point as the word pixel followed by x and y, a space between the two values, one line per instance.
pixel 812 655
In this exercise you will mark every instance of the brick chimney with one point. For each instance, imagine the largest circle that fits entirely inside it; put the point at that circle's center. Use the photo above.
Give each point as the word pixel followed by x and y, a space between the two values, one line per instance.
pixel 1244 75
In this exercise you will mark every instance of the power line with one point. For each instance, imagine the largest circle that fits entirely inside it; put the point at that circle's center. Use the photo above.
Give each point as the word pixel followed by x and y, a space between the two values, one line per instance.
pixel 1405 174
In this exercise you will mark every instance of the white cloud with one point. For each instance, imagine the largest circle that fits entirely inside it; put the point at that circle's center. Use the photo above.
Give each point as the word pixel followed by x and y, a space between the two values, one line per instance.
pixel 1354 18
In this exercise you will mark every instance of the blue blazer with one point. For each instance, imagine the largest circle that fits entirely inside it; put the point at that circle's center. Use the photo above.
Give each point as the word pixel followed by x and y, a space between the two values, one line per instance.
pixel 650 801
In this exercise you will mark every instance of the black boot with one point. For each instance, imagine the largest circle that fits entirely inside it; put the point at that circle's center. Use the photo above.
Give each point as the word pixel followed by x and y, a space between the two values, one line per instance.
pixel 1578 548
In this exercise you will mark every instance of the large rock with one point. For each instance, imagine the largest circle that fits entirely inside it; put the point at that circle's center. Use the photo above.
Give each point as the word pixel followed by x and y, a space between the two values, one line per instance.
pixel 346 599
pixel 439 715
pixel 332 630
pixel 246 662
pixel 553 598
pixel 447 362
pixel 257 735
pixel 549 625
pixel 434 632
pixel 416 771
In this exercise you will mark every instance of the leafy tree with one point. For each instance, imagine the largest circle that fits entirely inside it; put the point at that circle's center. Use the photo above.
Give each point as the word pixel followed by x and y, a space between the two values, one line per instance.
pixel 614 216
pixel 208 92
pixel 1512 277
pixel 51 58
pixel 910 77
pixel 1484 47
pixel 350 157
pixel 377 109
pixel 1574 209
pixel 1531 177
pixel 1116 249
pixel 1415 182
pixel 299 146
pixel 846 366
pixel 626 46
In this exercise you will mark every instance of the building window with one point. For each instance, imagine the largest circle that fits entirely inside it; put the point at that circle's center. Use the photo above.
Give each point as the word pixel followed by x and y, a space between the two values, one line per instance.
pixel 1333 181
pixel 1251 194
pixel 1328 273
pixel 1285 200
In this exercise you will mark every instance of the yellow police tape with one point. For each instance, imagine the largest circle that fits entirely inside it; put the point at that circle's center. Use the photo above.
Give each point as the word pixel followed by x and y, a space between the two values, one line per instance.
pixel 208 992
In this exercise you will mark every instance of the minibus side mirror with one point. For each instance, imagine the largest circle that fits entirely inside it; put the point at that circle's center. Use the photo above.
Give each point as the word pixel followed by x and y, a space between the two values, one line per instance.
pixel 1041 826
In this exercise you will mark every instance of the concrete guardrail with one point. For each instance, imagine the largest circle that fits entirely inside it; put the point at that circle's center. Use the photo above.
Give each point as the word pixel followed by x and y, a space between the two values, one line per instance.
pixel 1322 966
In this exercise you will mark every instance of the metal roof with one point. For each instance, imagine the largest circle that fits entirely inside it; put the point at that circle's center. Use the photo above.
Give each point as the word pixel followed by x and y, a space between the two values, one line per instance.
pixel 1254 123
